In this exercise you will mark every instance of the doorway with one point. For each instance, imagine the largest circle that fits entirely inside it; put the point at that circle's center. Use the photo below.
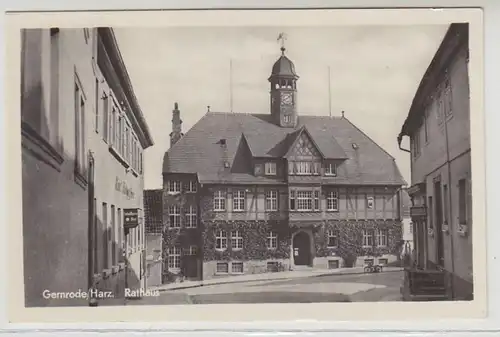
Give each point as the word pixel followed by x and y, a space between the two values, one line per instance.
pixel 439 224
pixel 301 249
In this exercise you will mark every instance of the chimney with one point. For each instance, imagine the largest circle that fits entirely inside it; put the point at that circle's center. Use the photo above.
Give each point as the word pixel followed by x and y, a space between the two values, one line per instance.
pixel 176 133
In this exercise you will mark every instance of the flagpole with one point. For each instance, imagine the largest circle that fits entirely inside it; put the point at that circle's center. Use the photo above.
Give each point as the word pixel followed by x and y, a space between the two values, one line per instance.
pixel 231 85
pixel 329 93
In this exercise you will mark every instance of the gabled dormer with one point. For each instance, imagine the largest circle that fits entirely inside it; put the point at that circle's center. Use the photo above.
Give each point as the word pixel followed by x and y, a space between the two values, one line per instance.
pixel 304 156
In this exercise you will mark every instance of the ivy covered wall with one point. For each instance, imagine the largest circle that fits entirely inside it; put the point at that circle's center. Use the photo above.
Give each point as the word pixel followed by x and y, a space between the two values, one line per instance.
pixel 254 234
pixel 350 239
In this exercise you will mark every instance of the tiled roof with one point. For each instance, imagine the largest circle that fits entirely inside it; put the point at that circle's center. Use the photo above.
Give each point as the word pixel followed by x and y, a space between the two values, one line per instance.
pixel 153 211
pixel 200 151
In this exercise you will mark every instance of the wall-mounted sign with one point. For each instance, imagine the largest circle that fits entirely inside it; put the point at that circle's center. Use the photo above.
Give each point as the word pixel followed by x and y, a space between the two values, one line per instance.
pixel 121 186
pixel 130 218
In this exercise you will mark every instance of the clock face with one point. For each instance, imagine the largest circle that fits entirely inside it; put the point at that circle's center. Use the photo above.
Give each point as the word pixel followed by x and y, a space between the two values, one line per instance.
pixel 286 98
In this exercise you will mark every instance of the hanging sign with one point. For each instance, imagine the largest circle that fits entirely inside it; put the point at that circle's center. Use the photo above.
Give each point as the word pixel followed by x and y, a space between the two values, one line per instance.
pixel 130 218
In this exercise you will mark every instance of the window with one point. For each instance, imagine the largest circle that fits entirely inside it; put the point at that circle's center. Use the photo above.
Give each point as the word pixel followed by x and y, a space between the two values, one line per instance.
pixel 272 266
pixel 367 238
pixel 221 240
pixel 191 186
pixel 113 240
pixel 95 240
pixel 271 200
pixel 292 200
pixel 331 169
pixel 236 240
pixel 219 201
pixel 118 121
pixel 174 258
pixel 113 132
pixel 126 146
pixel 448 99
pixel 270 169
pixel 415 143
pixel 192 250
pixel 431 213
pixel 333 239
pixel 97 101
pixel 175 216
pixel 333 264
pixel 316 200
pixel 272 240
pixel 237 267
pixel 332 201
pixel 382 261
pixel 411 227
pixel 462 202
pixel 286 119
pixel 121 246
pixel 239 200
pixel 370 203
pixel 303 167
pixel 190 214
pixel 222 267
pixel 105 117
pixel 426 124
pixel 304 200
pixel 445 203
pixel 140 163
pixel 174 186
pixel 79 129
pixel 105 234
pixel 382 237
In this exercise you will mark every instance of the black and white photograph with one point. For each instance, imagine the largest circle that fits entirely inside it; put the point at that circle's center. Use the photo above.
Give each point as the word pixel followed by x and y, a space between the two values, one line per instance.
pixel 192 165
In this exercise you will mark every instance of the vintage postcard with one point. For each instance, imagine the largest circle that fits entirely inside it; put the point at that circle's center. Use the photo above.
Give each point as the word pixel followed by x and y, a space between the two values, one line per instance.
pixel 246 165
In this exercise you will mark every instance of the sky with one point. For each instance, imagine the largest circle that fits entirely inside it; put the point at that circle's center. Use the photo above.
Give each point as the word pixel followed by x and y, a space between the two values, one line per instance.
pixel 374 72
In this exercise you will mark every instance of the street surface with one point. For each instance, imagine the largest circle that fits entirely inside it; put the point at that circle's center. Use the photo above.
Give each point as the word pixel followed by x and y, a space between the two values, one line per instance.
pixel 378 287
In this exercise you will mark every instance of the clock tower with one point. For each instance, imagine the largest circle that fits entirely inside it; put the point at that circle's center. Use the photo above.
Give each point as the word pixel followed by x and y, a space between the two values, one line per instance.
pixel 283 81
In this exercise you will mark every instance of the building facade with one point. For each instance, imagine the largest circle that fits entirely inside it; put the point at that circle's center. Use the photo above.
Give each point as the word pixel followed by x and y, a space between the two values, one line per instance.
pixel 252 193
pixel 153 221
pixel 83 137
pixel 439 130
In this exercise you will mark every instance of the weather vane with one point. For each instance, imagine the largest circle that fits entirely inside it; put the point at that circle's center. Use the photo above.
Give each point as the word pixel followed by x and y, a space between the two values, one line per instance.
pixel 282 37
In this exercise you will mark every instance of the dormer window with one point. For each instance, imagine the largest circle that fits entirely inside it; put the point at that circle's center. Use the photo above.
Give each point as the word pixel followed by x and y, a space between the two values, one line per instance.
pixel 174 186
pixel 270 169
pixel 331 169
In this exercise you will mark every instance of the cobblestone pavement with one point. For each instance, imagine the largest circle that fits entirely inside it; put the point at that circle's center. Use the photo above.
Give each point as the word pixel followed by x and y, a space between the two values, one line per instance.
pixel 331 288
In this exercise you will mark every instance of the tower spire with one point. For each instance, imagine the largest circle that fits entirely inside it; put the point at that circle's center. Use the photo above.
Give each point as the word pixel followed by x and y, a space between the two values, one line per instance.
pixel 176 133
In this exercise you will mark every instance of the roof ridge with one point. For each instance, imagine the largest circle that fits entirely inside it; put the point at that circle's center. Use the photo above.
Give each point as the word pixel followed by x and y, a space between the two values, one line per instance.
pixel 369 138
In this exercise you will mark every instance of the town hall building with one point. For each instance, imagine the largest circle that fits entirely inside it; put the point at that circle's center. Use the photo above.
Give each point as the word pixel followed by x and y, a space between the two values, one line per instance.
pixel 252 193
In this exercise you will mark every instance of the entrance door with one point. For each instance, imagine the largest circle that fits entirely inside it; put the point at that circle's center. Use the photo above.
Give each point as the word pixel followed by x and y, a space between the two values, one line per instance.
pixel 190 266
pixel 301 249
pixel 422 234
pixel 439 221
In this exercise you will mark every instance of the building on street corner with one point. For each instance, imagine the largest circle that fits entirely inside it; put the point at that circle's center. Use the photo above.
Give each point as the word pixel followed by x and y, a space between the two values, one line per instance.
pixel 83 139
pixel 251 193
pixel 439 130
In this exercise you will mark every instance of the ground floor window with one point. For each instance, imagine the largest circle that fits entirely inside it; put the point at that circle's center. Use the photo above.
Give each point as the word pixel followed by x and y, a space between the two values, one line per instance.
pixel 272 266
pixel 237 267
pixel 222 267
pixel 272 240
pixel 174 258
pixel 221 240
pixel 333 264
pixel 367 238
pixel 382 261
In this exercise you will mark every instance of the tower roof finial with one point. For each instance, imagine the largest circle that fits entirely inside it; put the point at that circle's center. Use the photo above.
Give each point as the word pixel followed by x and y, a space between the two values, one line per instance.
pixel 282 37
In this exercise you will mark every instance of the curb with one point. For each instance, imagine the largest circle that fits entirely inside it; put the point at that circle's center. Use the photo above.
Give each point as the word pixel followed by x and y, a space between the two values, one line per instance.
pixel 274 279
